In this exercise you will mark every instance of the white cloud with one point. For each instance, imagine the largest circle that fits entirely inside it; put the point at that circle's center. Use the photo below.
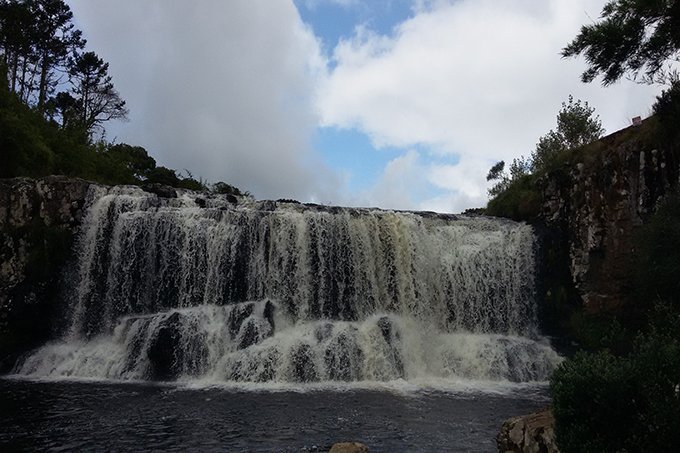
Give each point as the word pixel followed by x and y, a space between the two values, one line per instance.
pixel 399 185
pixel 480 79
pixel 220 88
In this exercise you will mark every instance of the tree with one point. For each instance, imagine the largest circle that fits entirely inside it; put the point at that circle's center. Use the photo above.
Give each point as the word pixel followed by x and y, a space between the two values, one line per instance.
pixel 496 171
pixel 222 187
pixel 134 158
pixel 17 37
pixel 98 101
pixel 163 175
pixel 576 126
pixel 67 108
pixel 36 37
pixel 515 194
pixel 56 38
pixel 518 168
pixel 633 36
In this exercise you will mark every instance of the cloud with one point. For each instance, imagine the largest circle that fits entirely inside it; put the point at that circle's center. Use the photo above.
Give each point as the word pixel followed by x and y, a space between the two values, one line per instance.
pixel 223 89
pixel 479 79
pixel 400 184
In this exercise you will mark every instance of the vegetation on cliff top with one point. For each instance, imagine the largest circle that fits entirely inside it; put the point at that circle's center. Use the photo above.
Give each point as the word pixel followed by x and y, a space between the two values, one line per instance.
pixel 55 100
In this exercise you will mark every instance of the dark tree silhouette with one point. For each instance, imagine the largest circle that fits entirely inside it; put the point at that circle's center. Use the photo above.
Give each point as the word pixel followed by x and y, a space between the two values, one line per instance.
pixel 98 101
pixel 632 37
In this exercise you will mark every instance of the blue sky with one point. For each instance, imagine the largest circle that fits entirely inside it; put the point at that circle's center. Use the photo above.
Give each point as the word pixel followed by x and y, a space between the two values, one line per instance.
pixel 349 150
pixel 401 104
pixel 336 20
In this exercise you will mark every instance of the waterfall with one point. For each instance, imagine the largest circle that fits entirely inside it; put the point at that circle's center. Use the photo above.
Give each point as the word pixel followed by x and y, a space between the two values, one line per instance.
pixel 199 288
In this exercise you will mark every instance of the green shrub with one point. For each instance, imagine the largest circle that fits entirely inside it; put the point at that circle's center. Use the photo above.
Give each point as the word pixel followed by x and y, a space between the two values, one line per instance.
pixel 594 402
pixel 658 255
pixel 606 403
pixel 667 109
pixel 520 200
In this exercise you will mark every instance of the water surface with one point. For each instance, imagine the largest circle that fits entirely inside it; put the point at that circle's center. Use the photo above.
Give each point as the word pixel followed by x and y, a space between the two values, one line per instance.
pixel 98 416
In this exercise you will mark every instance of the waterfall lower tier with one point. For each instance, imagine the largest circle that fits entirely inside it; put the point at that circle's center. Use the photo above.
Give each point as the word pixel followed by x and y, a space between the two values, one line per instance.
pixel 249 342
pixel 196 288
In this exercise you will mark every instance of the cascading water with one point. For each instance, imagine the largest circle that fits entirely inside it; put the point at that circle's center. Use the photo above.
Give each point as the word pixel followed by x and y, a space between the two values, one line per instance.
pixel 199 288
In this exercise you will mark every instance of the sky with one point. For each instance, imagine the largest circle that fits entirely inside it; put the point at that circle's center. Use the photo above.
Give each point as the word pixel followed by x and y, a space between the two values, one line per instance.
pixel 398 104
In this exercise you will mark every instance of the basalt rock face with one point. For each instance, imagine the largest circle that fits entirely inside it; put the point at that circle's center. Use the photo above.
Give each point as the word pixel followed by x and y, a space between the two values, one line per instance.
pixel 598 203
pixel 37 222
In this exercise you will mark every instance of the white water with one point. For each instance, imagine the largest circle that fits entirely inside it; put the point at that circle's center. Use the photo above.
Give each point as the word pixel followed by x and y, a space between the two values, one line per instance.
pixel 358 295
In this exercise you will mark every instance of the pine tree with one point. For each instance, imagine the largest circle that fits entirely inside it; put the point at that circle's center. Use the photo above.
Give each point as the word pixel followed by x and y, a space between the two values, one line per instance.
pixel 97 99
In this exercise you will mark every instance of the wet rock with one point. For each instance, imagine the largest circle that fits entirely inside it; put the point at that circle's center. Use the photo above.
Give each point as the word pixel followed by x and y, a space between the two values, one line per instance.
pixel 343 358
pixel 534 433
pixel 268 314
pixel 161 190
pixel 303 364
pixel 38 218
pixel 238 314
pixel 323 332
pixel 393 339
pixel 232 199
pixel 200 202
pixel 165 352
pixel 348 447
pixel 250 334
pixel 385 325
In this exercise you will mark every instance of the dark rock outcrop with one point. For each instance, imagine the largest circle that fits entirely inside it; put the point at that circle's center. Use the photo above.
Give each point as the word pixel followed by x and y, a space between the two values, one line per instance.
pixel 165 352
pixel 37 221
pixel 534 433
pixel 599 201
pixel 161 190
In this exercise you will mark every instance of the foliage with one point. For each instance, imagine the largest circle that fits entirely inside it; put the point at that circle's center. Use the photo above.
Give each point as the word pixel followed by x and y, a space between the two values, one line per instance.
pixel 163 175
pixel 97 100
pixel 519 168
pixel 36 38
pixel 658 254
pixel 608 402
pixel 515 194
pixel 518 199
pixel 227 189
pixel 39 43
pixel 576 127
pixel 496 171
pixel 667 110
pixel 631 37
pixel 603 402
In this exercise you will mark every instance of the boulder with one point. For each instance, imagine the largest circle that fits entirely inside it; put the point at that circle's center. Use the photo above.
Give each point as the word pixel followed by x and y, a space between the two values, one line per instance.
pixel 348 447
pixel 161 190
pixel 534 433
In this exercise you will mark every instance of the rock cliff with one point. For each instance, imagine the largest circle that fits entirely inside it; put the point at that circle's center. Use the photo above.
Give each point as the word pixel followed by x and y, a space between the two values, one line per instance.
pixel 37 222
pixel 598 200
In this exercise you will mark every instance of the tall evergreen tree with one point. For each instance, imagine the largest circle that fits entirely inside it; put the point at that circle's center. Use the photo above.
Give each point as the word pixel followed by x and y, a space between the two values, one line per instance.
pixel 97 99
pixel 36 39
pixel 17 38
pixel 57 37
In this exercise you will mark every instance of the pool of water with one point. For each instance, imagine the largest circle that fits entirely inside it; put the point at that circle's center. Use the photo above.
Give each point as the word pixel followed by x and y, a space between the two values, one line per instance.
pixel 97 416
